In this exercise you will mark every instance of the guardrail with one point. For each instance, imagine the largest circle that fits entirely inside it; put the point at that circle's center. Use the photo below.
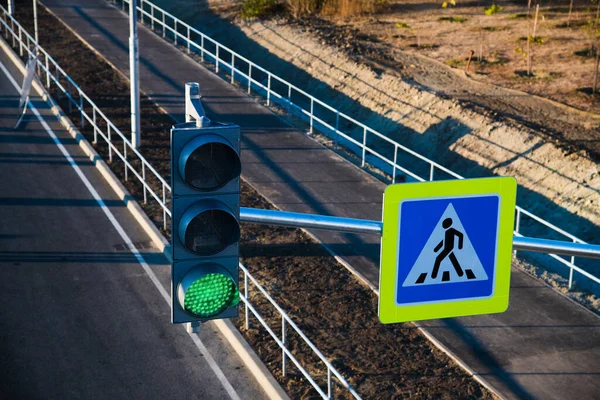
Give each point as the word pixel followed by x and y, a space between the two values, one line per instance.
pixel 281 340
pixel 77 98
pixel 277 90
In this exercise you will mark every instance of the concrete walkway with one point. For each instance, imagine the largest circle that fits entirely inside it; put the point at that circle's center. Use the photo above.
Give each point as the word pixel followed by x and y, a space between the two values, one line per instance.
pixel 544 346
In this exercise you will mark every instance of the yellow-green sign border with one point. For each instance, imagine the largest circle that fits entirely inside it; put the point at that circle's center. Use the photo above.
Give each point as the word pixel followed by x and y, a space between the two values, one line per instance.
pixel 505 188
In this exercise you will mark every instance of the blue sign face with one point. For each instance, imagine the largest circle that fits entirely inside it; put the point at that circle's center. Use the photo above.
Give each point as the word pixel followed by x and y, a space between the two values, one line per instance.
pixel 447 249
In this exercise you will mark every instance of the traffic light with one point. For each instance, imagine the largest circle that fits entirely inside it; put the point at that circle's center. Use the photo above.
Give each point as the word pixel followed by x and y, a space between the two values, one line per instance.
pixel 205 209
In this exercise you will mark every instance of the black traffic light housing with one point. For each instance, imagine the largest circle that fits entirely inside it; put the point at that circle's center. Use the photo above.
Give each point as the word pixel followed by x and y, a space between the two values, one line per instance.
pixel 205 210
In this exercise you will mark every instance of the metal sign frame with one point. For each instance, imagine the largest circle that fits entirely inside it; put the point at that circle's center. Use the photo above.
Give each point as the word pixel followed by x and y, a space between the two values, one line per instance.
pixel 391 312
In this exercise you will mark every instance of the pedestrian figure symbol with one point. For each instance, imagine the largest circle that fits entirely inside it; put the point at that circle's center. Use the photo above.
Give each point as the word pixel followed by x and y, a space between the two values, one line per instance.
pixel 448 244
pixel 448 255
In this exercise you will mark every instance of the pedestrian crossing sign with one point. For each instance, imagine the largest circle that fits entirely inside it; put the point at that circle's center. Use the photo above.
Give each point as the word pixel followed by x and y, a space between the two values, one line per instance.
pixel 446 249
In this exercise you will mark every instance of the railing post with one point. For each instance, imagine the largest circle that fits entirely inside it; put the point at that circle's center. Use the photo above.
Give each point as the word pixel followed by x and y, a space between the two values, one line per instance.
pixel 81 110
pixel 329 384
pixel 164 25
pixel 164 200
pixel 289 99
pixel 570 278
pixel 268 90
pixel 47 73
pixel 57 81
pixel 12 28
pixel 95 125
pixel 517 226
pixel 246 291
pixel 175 32
pixel 188 39
pixel 337 128
pixel 571 270
pixel 364 146
pixel 125 157
pixel 109 143
pixel 217 60
pixel 431 169
pixel 312 109
pixel 21 41
pixel 144 184
pixel 69 97
pixel 249 78
pixel 232 68
pixel 202 47
pixel 152 16
pixel 283 361
pixel 395 163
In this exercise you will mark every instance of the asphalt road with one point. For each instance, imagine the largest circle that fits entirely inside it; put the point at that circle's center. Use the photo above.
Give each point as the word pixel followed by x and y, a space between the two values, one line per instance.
pixel 80 316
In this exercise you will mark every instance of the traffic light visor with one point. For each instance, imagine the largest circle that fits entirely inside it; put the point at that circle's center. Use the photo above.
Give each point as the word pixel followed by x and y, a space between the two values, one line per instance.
pixel 207 291
pixel 208 227
pixel 209 162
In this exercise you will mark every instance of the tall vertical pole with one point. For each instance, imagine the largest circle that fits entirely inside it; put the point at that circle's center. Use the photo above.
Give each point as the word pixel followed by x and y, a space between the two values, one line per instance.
pixel 134 59
pixel 35 24
pixel 11 7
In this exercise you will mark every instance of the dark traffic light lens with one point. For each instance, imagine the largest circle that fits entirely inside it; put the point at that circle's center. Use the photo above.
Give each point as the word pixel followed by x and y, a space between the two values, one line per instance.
pixel 211 166
pixel 211 231
pixel 210 295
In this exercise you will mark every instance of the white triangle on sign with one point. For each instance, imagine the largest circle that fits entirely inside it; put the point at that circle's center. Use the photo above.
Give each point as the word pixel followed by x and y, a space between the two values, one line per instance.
pixel 443 247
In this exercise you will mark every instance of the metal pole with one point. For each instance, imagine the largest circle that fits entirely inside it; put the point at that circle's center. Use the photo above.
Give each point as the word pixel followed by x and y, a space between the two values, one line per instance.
pixel 11 7
pixel 340 224
pixel 134 58
pixel 35 25
pixel 300 220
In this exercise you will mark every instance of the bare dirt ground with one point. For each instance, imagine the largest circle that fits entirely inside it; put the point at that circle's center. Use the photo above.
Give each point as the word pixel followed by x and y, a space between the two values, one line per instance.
pixel 417 41
pixel 335 310
pixel 563 63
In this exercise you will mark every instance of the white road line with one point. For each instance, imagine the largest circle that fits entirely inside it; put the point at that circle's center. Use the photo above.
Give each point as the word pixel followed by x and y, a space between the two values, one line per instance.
pixel 209 359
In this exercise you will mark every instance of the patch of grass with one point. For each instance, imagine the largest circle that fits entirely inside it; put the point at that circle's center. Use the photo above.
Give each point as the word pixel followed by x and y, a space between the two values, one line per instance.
pixel 536 40
pixel 494 28
pixel 518 16
pixel 452 19
pixel 493 9
pixel 402 25
pixel 493 60
pixel 520 51
pixel 258 8
pixel 456 62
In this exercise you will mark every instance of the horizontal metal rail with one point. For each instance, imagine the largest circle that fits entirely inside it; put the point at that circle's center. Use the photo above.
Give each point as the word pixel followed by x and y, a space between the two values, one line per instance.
pixel 354 136
pixel 301 220
pixel 340 224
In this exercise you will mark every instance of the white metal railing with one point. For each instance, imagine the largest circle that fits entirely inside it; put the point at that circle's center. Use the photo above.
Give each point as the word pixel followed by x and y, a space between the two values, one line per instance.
pixel 117 143
pixel 78 98
pixel 282 341
pixel 262 82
